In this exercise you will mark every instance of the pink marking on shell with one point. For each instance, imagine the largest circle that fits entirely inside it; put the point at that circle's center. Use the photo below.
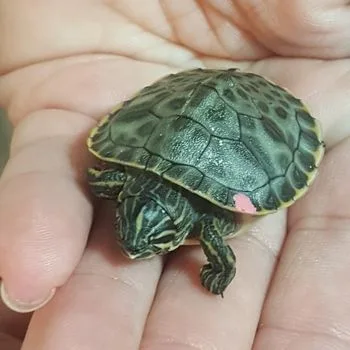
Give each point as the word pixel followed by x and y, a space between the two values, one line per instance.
pixel 243 203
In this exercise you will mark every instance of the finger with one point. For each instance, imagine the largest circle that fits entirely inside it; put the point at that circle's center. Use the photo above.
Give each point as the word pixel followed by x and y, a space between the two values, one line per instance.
pixel 185 316
pixel 308 304
pixel 316 28
pixel 88 84
pixel 103 305
pixel 45 214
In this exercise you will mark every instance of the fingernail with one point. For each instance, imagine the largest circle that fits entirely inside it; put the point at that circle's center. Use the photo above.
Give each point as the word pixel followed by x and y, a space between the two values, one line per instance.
pixel 21 306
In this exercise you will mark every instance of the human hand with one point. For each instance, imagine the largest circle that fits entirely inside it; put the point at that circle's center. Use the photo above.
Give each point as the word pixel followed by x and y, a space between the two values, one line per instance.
pixel 64 65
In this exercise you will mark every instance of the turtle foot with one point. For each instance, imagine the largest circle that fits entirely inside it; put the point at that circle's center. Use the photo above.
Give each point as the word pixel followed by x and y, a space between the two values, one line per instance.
pixel 216 279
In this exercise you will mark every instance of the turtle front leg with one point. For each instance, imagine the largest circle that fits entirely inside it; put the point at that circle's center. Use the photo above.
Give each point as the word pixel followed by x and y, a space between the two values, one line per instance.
pixel 106 183
pixel 221 268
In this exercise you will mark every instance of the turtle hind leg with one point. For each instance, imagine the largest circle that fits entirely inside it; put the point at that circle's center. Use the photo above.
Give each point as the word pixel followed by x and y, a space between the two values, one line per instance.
pixel 106 183
pixel 221 268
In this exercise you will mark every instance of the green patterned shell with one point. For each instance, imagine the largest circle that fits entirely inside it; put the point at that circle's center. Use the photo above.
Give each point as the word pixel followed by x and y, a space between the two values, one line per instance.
pixel 233 138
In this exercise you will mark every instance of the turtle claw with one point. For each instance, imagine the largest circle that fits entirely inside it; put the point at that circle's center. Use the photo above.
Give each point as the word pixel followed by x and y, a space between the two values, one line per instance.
pixel 216 279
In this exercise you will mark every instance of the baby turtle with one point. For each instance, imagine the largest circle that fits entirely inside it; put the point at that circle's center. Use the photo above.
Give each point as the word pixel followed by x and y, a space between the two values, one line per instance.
pixel 191 153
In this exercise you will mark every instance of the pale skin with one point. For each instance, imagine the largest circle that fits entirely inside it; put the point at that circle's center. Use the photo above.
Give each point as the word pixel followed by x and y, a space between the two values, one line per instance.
pixel 63 65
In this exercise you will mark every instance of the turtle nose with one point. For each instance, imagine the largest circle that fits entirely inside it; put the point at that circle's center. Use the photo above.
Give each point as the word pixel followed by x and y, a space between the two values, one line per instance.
pixel 133 251
pixel 130 249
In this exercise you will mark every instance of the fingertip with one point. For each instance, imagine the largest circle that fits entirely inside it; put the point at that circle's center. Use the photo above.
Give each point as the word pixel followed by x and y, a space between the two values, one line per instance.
pixel 24 306
pixel 42 239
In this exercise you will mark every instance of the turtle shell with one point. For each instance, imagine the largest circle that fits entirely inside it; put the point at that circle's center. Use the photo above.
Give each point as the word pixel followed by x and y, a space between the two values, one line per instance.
pixel 233 138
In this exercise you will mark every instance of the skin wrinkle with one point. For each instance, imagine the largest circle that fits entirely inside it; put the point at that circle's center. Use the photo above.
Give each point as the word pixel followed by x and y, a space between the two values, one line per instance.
pixel 299 225
pixel 47 99
pixel 245 26
pixel 333 335
pixel 212 28
pixel 247 39
pixel 167 341
pixel 113 54
pixel 65 129
pixel 148 26
pixel 127 283
pixel 273 254
pixel 245 32
pixel 174 344
pixel 45 67
pixel 209 10
pixel 39 83
pixel 183 27
pixel 170 22
pixel 139 55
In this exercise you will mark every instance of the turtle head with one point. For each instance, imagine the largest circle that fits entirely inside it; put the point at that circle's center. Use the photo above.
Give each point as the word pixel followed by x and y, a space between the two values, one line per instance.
pixel 145 229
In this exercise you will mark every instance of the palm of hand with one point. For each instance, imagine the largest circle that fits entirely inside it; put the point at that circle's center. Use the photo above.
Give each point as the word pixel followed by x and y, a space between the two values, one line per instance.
pixel 80 66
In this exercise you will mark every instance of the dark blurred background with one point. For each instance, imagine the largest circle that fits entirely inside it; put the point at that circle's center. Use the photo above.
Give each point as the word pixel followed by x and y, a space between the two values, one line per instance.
pixel 5 135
